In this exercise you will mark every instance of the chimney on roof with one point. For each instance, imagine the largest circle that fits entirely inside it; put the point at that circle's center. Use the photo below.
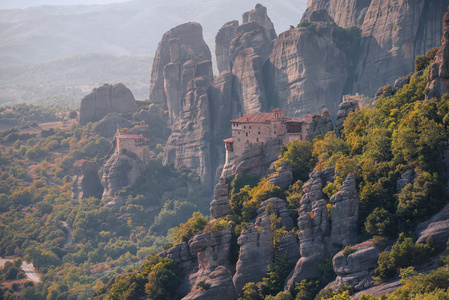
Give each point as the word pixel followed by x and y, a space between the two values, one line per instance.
pixel 278 113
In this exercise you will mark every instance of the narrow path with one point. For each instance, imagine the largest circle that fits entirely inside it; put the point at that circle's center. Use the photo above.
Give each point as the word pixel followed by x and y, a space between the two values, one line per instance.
pixel 69 239
pixel 28 268
pixel 30 272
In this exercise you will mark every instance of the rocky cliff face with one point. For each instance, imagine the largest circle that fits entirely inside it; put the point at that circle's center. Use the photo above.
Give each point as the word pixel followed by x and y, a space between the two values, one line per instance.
pixel 319 235
pixel 343 12
pixel 85 182
pixel 107 127
pixel 320 125
pixel 438 77
pixel 104 100
pixel 302 58
pixel 256 243
pixel 189 143
pixel 119 171
pixel 393 34
pixel 343 112
pixel 172 70
pixel 222 44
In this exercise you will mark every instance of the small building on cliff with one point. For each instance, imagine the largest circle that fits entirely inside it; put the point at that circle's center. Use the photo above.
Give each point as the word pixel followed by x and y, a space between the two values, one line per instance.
pixel 259 128
pixel 137 144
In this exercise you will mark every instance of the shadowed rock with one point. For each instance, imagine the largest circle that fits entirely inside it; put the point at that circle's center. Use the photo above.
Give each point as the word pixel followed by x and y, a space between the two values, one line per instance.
pixel 85 182
pixel 104 100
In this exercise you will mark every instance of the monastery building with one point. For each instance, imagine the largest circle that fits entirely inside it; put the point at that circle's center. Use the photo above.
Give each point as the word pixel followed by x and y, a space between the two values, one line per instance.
pixel 259 128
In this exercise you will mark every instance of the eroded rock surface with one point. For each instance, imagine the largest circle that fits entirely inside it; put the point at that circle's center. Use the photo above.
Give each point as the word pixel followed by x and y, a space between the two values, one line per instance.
pixel 356 269
pixel 107 127
pixel 343 12
pixel 220 206
pixel 301 58
pixel 319 125
pixel 172 69
pixel 85 182
pixel 189 143
pixel 284 175
pixel 437 227
pixel 438 77
pixel 104 100
pixel 119 171
pixel 223 43
pixel 256 243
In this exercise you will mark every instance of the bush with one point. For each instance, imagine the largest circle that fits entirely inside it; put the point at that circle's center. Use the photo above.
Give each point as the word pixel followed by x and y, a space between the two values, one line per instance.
pixel 203 285
pixel 185 231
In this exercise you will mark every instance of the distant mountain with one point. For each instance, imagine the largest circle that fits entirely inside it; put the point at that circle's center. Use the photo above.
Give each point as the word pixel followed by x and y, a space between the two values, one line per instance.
pixel 44 33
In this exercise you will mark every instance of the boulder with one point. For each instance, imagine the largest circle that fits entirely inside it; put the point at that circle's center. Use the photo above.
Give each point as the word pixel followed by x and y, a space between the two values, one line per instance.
pixel 284 175
pixel 438 76
pixel 319 125
pixel 85 182
pixel 104 100
pixel 116 203
pixel 107 127
pixel 437 227
pixel 356 269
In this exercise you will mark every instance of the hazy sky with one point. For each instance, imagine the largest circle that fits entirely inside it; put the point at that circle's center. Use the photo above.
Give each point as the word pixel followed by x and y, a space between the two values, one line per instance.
pixel 9 4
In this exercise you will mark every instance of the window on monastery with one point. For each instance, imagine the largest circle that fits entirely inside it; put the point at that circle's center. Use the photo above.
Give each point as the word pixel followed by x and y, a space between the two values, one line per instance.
pixel 239 140
pixel 247 134
pixel 244 127
pixel 257 139
pixel 275 132
pixel 239 131
pixel 259 132
pixel 249 127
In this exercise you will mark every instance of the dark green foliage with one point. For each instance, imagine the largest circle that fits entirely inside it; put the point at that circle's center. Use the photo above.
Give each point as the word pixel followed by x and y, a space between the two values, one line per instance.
pixel 348 40
pixel 203 285
pixel 423 61
pixel 299 154
pixel 403 253
pixel 329 294
pixel 307 289
pixel 185 231
pixel 11 271
pixel 380 222
pixel 278 271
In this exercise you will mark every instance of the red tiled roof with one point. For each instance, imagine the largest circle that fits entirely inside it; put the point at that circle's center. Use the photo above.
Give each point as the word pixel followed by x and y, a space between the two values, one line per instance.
pixel 228 140
pixel 132 136
pixel 264 117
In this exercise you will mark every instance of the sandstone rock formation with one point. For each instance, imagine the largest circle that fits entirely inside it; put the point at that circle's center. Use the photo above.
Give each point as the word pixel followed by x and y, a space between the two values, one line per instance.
pixel 393 34
pixel 407 177
pixel 107 127
pixel 256 243
pixel 213 260
pixel 436 227
pixel 104 100
pixel 223 43
pixel 116 203
pixel 119 171
pixel 318 234
pixel 356 269
pixel 343 12
pixel 345 213
pixel 259 15
pixel 85 182
pixel 319 125
pixel 284 175
pixel 220 206
pixel 438 77
pixel 343 111
pixel 179 51
pixel 248 81
pixel 300 59
pixel 189 143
